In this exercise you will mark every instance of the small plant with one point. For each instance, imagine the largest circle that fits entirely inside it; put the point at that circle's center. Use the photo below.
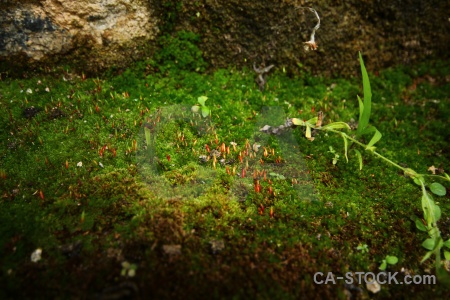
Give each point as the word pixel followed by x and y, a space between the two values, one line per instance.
pixel 336 156
pixel 205 110
pixel 363 248
pixel 391 260
pixel 432 212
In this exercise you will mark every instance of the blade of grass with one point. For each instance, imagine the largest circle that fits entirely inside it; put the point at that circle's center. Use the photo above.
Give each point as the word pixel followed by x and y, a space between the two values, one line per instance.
pixel 345 147
pixel 376 137
pixel 359 156
pixel 367 105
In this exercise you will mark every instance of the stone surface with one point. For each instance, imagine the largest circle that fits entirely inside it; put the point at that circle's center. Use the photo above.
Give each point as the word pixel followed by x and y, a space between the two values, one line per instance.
pixel 97 34
pixel 388 33
pixel 41 30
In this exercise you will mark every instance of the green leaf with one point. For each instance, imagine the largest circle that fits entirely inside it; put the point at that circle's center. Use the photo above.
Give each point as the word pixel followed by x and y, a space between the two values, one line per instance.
pixel 335 159
pixel 369 129
pixel 359 156
pixel 367 105
pixel 205 111
pixel 298 122
pixel 376 137
pixel 308 131
pixel 420 225
pixel 428 244
pixel 202 100
pixel 427 207
pixel 345 146
pixel 417 181
pixel 446 176
pixel 312 122
pixel 392 260
pixel 427 256
pixel 447 243
pixel 437 212
pixel 336 125
pixel 438 189
pixel 383 265
pixel 447 255
pixel 361 106
pixel 434 233
pixel 431 211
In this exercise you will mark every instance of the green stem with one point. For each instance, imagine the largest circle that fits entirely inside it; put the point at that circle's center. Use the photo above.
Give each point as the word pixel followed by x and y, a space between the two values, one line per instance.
pixel 343 134
pixel 428 205
pixel 431 175
pixel 388 160
pixel 364 146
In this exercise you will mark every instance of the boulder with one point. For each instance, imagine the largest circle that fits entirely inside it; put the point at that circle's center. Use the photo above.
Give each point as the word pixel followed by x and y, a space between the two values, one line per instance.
pixel 94 33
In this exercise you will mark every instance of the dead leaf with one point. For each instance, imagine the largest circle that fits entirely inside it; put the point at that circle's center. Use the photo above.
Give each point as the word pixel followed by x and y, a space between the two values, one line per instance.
pixel 432 169
pixel 319 119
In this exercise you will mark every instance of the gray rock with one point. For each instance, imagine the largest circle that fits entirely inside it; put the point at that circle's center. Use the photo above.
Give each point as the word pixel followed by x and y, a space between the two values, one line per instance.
pixel 41 29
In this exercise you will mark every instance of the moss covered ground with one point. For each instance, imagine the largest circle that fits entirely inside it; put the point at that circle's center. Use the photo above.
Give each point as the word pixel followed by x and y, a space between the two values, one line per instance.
pixel 197 208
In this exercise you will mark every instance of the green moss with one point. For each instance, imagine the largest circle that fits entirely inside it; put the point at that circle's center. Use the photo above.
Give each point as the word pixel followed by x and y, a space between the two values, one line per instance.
pixel 103 185
pixel 180 52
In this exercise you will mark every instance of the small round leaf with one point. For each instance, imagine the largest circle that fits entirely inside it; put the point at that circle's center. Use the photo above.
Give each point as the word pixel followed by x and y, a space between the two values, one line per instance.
pixel 438 189
pixel 392 260
pixel 205 111
pixel 383 265
pixel 420 225
pixel 428 244
pixel 202 100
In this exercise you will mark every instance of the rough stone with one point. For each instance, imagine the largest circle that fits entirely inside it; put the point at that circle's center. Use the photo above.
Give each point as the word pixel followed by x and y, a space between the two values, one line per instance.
pixel 96 34
pixel 388 33
pixel 40 30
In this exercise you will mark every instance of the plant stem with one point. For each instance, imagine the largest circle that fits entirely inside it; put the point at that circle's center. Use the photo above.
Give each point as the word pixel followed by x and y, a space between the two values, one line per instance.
pixel 431 175
pixel 381 156
pixel 364 146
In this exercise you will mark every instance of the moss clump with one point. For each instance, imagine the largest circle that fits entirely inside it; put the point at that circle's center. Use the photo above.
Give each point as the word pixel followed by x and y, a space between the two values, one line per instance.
pixel 180 52
pixel 77 185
